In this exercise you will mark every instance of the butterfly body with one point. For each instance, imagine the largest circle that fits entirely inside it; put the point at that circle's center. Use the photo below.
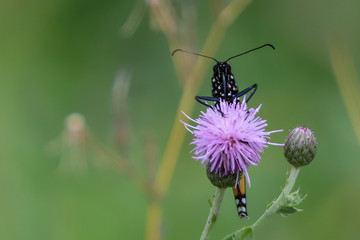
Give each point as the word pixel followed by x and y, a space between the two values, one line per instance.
pixel 224 87
pixel 223 82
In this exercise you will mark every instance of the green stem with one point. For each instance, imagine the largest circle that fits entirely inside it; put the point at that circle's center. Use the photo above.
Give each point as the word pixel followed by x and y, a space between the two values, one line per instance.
pixel 281 198
pixel 214 212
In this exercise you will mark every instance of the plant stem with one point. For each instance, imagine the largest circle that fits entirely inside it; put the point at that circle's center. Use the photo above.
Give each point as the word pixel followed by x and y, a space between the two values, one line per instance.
pixel 214 212
pixel 281 198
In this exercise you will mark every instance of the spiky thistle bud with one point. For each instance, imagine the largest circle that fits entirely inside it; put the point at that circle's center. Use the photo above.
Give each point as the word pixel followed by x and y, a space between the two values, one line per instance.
pixel 300 146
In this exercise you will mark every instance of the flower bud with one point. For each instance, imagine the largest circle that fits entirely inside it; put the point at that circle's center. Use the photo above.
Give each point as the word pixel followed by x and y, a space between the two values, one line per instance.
pixel 300 146
pixel 223 181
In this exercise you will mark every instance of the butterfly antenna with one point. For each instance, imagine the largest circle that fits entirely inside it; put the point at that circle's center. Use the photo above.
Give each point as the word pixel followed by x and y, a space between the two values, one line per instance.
pixel 181 50
pixel 269 45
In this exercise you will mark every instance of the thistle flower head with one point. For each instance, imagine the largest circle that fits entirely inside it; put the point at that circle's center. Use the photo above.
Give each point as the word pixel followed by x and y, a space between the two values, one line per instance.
pixel 300 146
pixel 229 137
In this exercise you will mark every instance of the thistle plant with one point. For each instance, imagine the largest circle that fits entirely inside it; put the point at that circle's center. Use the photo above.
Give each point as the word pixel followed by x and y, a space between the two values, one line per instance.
pixel 228 139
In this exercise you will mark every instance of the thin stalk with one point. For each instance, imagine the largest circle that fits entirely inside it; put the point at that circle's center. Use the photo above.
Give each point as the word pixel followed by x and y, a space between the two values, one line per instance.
pixel 214 212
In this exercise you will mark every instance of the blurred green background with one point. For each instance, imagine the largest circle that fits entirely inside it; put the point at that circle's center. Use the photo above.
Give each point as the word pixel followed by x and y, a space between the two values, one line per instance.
pixel 62 56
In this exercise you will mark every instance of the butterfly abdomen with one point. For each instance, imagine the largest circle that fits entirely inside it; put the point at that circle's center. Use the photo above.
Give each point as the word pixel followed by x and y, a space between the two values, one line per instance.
pixel 240 197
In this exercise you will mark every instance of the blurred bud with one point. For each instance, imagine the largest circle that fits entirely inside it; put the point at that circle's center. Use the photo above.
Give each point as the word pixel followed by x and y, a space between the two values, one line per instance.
pixel 75 128
pixel 73 147
pixel 300 146
pixel 223 181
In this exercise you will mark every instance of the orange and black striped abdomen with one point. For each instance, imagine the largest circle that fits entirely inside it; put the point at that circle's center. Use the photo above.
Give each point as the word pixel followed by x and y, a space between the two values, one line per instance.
pixel 240 197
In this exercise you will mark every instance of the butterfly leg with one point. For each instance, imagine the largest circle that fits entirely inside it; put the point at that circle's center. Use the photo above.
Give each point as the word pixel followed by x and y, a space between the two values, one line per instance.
pixel 245 91
pixel 203 99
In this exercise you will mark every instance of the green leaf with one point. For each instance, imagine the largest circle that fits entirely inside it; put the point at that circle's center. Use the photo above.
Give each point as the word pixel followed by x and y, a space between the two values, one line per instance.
pixel 294 199
pixel 291 201
pixel 287 210
pixel 245 233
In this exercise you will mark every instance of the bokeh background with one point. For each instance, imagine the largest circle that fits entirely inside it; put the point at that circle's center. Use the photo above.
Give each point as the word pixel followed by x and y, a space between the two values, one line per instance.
pixel 66 176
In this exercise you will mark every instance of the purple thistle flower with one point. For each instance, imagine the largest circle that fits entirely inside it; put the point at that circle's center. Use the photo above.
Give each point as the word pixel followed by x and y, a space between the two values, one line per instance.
pixel 229 140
